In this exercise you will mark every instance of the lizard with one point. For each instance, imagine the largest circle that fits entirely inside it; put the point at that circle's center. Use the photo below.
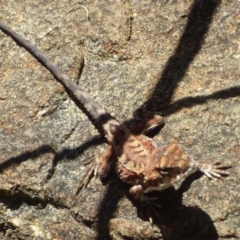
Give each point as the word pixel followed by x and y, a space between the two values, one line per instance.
pixel 135 157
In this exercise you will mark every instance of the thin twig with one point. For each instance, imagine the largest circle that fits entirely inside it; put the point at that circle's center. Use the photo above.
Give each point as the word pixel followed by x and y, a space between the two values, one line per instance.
pixel 73 9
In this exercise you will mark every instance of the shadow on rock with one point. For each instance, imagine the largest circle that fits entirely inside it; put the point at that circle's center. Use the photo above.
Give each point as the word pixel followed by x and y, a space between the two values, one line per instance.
pixel 176 220
pixel 115 191
pixel 190 43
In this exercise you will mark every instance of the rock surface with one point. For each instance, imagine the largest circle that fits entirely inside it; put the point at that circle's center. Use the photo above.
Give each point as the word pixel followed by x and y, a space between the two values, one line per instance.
pixel 180 56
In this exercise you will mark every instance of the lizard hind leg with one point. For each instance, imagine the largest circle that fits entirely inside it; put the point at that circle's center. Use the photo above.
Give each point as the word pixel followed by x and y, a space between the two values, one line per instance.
pixel 215 170
pixel 99 165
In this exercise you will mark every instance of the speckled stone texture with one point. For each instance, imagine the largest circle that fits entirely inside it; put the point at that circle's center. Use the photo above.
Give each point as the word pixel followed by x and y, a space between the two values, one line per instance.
pixel 181 57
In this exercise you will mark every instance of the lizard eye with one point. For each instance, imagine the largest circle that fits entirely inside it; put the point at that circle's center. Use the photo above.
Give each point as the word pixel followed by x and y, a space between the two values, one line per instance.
pixel 114 129
pixel 164 172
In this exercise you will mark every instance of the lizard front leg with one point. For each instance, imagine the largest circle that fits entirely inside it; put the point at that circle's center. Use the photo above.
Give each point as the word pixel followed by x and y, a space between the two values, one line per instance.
pixel 137 191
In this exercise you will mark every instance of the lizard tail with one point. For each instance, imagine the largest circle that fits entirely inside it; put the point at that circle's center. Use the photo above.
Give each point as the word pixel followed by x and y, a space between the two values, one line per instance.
pixel 96 112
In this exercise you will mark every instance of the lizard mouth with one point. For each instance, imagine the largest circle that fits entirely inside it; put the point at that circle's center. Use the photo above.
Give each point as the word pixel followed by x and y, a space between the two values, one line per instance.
pixel 153 127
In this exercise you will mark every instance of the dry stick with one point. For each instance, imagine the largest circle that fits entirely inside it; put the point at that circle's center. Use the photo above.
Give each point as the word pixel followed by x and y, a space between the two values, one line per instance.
pixel 101 116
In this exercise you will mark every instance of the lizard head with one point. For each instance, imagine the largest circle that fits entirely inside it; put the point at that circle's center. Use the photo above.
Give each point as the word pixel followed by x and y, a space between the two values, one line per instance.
pixel 147 121
pixel 153 121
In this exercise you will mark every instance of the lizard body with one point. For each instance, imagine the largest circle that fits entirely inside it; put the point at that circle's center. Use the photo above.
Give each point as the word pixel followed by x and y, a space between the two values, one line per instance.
pixel 136 159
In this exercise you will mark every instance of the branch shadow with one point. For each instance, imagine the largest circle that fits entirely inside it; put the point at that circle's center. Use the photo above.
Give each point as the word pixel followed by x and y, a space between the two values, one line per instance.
pixel 187 102
pixel 176 221
pixel 65 153
pixel 189 45
pixel 108 206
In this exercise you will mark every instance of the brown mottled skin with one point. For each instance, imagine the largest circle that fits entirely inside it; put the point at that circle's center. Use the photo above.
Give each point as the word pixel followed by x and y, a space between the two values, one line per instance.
pixel 134 156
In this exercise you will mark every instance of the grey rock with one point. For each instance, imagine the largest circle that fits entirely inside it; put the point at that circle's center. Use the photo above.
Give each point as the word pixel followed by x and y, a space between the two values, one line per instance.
pixel 181 56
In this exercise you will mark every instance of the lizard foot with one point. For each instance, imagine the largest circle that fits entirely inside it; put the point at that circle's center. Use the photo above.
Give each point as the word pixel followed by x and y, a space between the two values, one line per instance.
pixel 215 170
pixel 146 202
pixel 87 176
pixel 150 207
